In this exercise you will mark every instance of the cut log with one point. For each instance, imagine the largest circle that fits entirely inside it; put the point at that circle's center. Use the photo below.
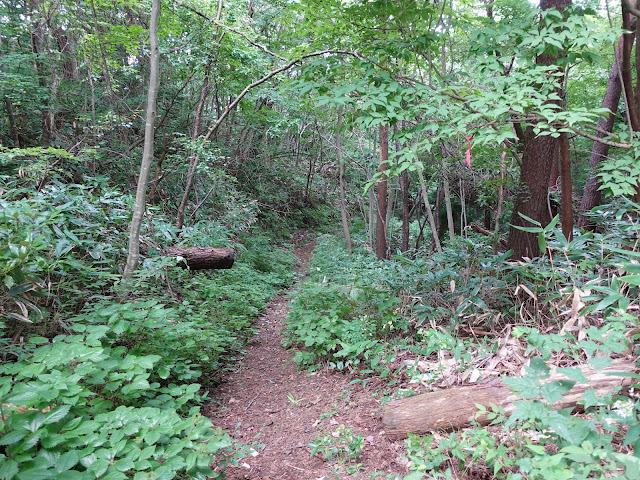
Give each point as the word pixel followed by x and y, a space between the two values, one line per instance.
pixel 455 408
pixel 203 258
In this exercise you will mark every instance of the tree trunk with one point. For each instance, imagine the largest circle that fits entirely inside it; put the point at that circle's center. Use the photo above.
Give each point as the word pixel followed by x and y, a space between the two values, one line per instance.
pixel 133 257
pixel 500 201
pixel 106 75
pixel 535 170
pixel 343 203
pixel 455 408
pixel 13 130
pixel 381 228
pixel 203 258
pixel 567 189
pixel 532 199
pixel 437 208
pixel 404 192
pixel 37 34
pixel 447 203
pixel 194 159
pixel 427 206
pixel 631 95
pixel 592 197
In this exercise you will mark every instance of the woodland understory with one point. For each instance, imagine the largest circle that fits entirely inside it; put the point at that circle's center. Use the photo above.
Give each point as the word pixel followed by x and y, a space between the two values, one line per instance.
pixel 468 171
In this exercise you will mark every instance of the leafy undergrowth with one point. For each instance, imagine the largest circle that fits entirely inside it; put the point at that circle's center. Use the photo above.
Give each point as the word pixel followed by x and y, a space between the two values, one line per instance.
pixel 465 315
pixel 101 378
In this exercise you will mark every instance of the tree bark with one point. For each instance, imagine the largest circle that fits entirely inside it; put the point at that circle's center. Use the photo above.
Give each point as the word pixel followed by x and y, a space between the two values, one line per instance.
pixel 381 228
pixel 404 192
pixel 591 196
pixel 447 203
pixel 203 258
pixel 455 408
pixel 427 206
pixel 537 159
pixel 133 257
pixel 500 200
pixel 567 189
pixel 37 35
pixel 343 203
pixel 13 130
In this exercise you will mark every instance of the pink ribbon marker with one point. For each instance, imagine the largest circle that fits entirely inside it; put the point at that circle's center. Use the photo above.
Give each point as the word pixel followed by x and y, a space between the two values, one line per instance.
pixel 468 155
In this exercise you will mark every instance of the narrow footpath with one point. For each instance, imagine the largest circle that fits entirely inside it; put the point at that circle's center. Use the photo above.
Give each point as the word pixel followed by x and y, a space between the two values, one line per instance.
pixel 269 402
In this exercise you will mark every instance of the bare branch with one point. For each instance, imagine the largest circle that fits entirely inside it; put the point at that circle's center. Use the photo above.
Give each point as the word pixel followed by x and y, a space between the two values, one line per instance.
pixel 231 29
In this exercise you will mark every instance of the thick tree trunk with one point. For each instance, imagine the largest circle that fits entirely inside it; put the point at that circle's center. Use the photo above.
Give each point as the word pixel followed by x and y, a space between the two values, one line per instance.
pixel 203 258
pixel 533 193
pixel 591 196
pixel 381 228
pixel 537 160
pixel 133 256
pixel 455 408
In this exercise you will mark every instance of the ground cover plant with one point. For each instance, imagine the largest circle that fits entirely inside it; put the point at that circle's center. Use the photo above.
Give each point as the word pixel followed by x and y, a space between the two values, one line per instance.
pixel 102 378
pixel 576 305
pixel 481 161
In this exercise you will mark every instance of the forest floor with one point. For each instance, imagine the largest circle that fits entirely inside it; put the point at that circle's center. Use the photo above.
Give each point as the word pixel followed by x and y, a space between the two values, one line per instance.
pixel 279 409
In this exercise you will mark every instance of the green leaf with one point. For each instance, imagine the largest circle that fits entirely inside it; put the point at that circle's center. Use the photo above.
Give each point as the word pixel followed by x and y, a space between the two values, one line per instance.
pixel 71 475
pixel 554 391
pixel 124 464
pixel 9 281
pixel 537 366
pixel 8 469
pixel 537 449
pixel 36 474
pixel 12 437
pixel 600 362
pixel 415 476
pixel 57 414
pixel 632 435
pixel 67 461
pixel 574 373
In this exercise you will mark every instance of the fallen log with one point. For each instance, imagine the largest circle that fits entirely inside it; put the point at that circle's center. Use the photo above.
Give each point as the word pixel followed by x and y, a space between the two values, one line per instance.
pixel 202 258
pixel 455 408
pixel 477 228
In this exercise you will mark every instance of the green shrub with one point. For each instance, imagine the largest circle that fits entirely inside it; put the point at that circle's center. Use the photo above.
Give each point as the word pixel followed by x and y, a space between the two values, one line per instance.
pixel 75 409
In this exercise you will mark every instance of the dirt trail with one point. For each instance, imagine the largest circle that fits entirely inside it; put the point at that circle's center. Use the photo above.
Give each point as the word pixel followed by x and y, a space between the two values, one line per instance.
pixel 269 401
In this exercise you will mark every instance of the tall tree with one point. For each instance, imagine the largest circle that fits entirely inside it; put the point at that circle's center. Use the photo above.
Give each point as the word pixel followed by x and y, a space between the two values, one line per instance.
pixel 537 158
pixel 381 227
pixel 566 188
pixel 343 203
pixel 133 256
pixel 591 196
pixel 194 159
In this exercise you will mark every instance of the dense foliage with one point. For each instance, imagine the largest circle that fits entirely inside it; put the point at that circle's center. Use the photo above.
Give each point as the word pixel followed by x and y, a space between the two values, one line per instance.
pixel 454 139
pixel 102 378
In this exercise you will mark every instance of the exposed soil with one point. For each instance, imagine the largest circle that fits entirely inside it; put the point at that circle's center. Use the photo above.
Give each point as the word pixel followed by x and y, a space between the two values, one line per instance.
pixel 269 402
